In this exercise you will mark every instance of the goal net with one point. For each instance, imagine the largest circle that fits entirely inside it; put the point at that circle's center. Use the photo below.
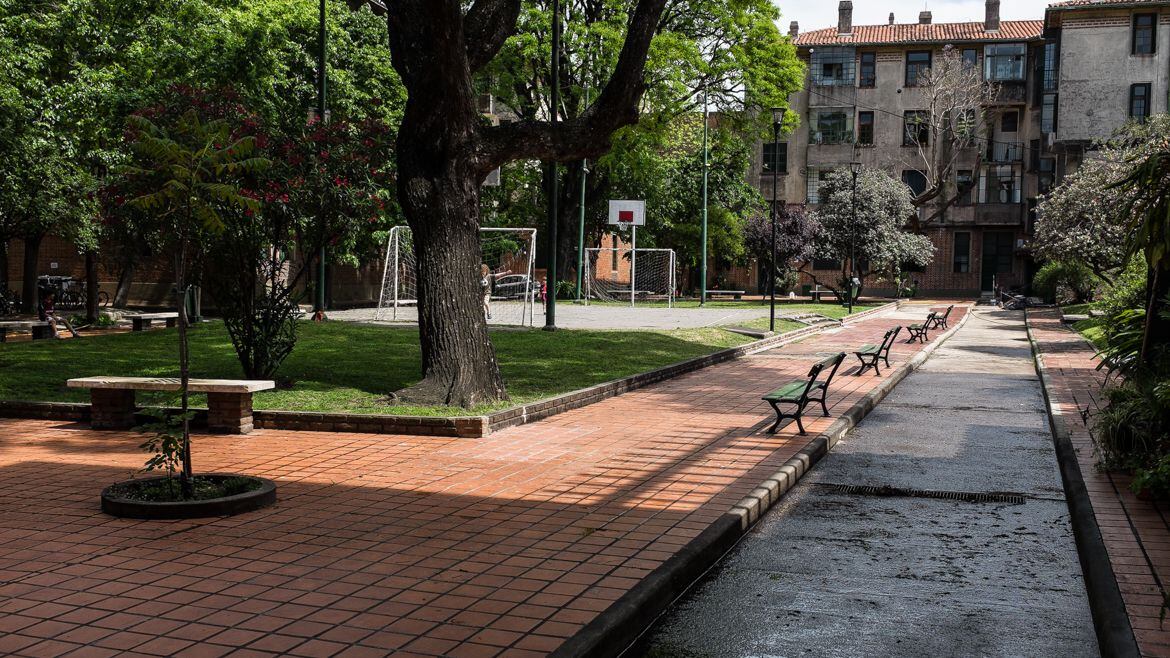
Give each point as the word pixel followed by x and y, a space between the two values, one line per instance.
pixel 509 254
pixel 631 276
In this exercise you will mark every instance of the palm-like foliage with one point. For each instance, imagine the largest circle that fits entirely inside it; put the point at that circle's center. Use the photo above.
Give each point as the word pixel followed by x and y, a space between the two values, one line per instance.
pixel 186 176
pixel 1148 185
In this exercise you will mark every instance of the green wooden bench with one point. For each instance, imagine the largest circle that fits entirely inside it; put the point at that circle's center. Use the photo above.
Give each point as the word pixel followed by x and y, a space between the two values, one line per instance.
pixel 919 331
pixel 940 321
pixel 869 355
pixel 801 392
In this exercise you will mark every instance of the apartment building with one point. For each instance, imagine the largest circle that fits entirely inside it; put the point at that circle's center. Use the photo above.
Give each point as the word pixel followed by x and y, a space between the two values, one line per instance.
pixel 1110 64
pixel 859 101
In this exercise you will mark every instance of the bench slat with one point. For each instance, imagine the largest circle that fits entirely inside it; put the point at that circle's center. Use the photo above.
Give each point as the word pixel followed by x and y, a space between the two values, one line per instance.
pixel 788 390
pixel 172 384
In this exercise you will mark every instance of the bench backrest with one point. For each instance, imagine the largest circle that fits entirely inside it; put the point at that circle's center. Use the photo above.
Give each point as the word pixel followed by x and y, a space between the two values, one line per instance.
pixel 831 364
pixel 888 341
pixel 948 313
pixel 931 316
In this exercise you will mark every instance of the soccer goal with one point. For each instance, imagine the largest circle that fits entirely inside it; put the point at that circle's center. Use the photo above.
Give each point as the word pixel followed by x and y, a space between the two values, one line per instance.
pixel 621 274
pixel 510 254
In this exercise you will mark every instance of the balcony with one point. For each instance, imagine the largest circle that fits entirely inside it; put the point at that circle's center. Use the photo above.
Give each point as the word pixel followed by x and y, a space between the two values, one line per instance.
pixel 1005 152
pixel 829 137
pixel 1010 92
pixel 999 214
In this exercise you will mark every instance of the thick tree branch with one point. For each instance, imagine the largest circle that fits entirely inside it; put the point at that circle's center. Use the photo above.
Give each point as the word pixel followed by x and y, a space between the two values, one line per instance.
pixel 486 27
pixel 589 134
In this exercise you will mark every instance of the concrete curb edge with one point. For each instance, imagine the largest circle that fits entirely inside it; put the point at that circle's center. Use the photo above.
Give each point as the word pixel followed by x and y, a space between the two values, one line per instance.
pixel 1115 636
pixel 619 626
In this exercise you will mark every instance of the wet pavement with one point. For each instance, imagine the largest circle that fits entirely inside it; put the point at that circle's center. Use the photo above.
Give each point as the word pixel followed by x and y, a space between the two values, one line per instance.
pixel 975 556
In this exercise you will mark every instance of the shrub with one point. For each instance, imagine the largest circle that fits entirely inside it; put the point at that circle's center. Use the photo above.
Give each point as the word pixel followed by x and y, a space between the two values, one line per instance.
pixel 1128 290
pixel 1065 282
pixel 1134 429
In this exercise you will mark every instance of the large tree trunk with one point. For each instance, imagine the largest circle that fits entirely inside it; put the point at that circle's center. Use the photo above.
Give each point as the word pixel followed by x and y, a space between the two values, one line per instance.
pixel 122 294
pixel 91 286
pixel 3 266
pixel 29 295
pixel 459 362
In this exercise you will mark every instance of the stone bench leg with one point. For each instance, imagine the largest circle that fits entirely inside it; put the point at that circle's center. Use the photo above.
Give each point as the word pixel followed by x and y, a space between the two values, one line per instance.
pixel 172 322
pixel 229 413
pixel 39 333
pixel 140 324
pixel 3 334
pixel 111 409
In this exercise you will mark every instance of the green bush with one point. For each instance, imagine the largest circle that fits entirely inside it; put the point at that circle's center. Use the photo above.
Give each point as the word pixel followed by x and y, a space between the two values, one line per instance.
pixel 1065 282
pixel 1128 290
pixel 1133 430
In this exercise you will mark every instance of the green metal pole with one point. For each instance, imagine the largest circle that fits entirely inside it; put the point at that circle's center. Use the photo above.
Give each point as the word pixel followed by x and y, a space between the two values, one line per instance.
pixel 581 230
pixel 321 78
pixel 703 261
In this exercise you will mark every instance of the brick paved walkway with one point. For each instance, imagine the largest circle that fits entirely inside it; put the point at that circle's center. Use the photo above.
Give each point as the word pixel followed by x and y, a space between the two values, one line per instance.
pixel 380 544
pixel 1136 532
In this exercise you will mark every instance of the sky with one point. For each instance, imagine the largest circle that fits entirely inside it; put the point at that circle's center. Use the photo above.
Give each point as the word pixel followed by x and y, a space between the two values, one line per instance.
pixel 817 14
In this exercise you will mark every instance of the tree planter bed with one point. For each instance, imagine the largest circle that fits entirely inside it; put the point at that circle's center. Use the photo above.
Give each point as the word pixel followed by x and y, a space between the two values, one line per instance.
pixel 116 503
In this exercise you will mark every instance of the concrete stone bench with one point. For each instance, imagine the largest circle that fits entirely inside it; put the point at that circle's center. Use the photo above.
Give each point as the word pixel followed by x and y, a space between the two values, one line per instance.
pixel 1073 318
pixel 39 329
pixel 142 322
pixel 734 294
pixel 229 401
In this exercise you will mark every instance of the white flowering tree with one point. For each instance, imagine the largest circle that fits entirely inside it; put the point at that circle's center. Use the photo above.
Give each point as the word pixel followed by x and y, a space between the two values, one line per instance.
pixel 1086 218
pixel 1079 220
pixel 881 242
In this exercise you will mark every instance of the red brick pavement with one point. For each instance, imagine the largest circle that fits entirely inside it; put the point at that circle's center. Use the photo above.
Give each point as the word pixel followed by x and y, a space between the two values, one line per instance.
pixel 380 544
pixel 1135 532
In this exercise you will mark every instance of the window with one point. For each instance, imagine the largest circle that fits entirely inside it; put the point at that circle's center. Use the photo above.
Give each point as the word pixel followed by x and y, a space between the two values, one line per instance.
pixel 868 70
pixel 833 67
pixel 813 184
pixel 917 62
pixel 1010 122
pixel 1144 34
pixel 915 180
pixel 865 128
pixel 1048 114
pixel 832 127
pixel 970 58
pixel 1005 62
pixel 1048 75
pixel 1046 177
pixel 964 185
pixel 962 256
pixel 1139 101
pixel 916 128
pixel 775 161
pixel 1000 184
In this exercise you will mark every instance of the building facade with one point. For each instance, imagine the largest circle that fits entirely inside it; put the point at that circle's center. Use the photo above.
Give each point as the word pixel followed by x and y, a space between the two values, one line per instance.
pixel 1111 65
pixel 858 104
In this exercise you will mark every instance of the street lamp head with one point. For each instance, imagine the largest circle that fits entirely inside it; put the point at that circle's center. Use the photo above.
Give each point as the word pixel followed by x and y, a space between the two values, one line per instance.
pixel 855 167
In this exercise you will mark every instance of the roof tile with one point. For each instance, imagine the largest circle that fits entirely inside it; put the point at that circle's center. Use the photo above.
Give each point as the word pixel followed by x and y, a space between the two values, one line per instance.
pixel 919 33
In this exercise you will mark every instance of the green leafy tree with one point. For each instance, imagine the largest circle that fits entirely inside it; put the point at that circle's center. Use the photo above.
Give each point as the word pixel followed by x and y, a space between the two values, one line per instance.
pixel 874 230
pixel 187 176
pixel 732 49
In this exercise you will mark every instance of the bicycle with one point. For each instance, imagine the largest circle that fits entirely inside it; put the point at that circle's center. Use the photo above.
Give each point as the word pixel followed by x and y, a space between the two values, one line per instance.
pixel 9 302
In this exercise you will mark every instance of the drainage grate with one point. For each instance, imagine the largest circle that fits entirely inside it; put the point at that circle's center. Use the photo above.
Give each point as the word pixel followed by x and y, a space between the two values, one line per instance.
pixel 899 492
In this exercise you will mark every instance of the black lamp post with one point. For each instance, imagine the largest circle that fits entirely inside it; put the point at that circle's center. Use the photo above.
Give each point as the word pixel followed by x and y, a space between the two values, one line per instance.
pixel 855 169
pixel 777 124
pixel 550 278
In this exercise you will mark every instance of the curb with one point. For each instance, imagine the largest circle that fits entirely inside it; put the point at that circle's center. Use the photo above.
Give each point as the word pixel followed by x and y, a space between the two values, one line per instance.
pixel 1115 635
pixel 617 628
pixel 468 427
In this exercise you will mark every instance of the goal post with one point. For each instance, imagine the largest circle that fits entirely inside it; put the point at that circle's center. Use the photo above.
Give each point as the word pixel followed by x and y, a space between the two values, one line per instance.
pixel 630 275
pixel 509 253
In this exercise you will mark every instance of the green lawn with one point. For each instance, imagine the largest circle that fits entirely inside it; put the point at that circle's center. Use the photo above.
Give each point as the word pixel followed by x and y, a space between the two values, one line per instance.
pixel 835 311
pixel 347 367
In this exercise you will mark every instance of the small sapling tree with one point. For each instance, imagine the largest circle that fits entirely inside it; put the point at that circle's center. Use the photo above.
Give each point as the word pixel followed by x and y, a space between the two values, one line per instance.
pixel 186 176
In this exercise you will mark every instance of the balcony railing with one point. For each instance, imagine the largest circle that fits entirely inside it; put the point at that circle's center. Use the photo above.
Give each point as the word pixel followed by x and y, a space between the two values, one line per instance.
pixel 1005 152
pixel 822 137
